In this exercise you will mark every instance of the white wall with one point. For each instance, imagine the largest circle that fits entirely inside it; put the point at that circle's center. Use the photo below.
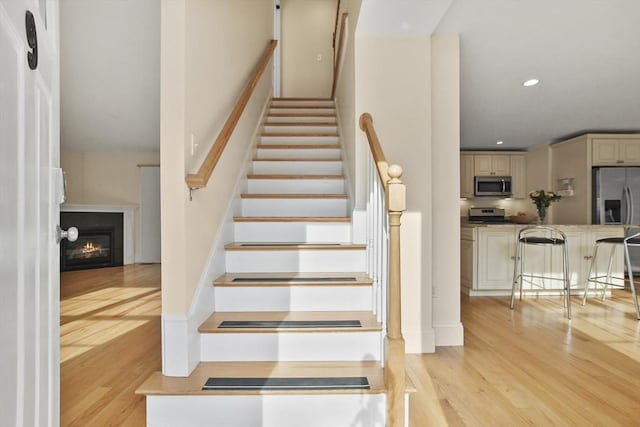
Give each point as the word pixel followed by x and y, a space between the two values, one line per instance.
pixel 307 34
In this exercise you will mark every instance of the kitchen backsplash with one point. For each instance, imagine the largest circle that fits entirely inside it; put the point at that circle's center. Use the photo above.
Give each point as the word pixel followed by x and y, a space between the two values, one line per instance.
pixel 511 207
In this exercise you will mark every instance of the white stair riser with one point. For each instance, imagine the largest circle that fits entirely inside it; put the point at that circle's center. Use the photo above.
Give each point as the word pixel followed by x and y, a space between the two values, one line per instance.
pixel 298 153
pixel 290 346
pixel 298 140
pixel 299 129
pixel 304 232
pixel 294 207
pixel 295 186
pixel 299 168
pixel 305 119
pixel 283 410
pixel 327 110
pixel 303 102
pixel 293 298
pixel 305 261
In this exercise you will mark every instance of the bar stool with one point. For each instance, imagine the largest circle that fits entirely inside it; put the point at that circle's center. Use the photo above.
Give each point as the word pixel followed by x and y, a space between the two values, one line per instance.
pixel 541 235
pixel 627 242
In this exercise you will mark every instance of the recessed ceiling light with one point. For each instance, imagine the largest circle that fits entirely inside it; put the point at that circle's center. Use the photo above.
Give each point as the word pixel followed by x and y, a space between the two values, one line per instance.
pixel 531 82
pixel 500 142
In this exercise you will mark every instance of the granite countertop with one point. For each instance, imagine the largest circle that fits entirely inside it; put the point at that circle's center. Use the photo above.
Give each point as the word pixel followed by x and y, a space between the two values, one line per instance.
pixel 465 223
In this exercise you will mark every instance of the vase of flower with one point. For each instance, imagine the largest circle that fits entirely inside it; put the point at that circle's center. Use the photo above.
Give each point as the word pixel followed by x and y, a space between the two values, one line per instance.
pixel 543 199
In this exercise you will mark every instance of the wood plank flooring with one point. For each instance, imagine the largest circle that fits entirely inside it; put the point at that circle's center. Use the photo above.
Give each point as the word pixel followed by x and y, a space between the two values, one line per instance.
pixel 533 367
pixel 110 343
pixel 521 368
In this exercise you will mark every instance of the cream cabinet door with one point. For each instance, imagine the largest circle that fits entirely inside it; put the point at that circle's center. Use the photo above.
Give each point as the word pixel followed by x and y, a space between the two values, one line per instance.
pixel 602 263
pixel 466 175
pixel 489 165
pixel 501 165
pixel 630 152
pixel 519 176
pixel 467 256
pixel 482 164
pixel 496 249
pixel 606 152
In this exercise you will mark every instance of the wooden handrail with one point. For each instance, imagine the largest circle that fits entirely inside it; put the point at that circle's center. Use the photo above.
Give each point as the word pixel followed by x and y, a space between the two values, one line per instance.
pixel 366 124
pixel 201 178
pixel 395 195
pixel 336 65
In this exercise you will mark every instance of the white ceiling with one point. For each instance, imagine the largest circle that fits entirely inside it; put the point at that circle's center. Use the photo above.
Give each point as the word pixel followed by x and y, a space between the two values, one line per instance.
pixel 110 75
pixel 586 54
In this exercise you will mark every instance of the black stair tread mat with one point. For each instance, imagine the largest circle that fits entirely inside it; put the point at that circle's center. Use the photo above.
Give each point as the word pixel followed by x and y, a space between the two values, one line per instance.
pixel 290 324
pixel 294 279
pixel 318 383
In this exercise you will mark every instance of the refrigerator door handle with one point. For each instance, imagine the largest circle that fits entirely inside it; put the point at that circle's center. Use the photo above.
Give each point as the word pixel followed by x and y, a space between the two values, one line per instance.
pixel 625 197
pixel 630 206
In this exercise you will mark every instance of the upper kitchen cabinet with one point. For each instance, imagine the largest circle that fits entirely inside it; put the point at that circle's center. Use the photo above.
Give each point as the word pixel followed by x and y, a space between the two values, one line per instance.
pixel 491 165
pixel 466 175
pixel 473 163
pixel 623 150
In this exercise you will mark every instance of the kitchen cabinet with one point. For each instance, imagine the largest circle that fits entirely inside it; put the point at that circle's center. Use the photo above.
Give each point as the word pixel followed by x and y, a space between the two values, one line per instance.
pixel 491 165
pixel 466 175
pixel 495 164
pixel 517 164
pixel 496 249
pixel 487 257
pixel 615 152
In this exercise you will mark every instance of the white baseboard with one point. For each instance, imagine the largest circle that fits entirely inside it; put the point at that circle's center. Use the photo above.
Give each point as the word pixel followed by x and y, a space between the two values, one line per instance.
pixel 417 342
pixel 449 334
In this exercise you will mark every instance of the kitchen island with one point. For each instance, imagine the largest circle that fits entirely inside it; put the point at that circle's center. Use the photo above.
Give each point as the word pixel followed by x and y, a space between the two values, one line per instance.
pixel 487 254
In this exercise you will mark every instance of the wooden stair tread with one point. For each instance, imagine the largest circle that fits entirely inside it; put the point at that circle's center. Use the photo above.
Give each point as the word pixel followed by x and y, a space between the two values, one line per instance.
pixel 157 384
pixel 290 219
pixel 310 159
pixel 303 124
pixel 288 279
pixel 292 246
pixel 367 320
pixel 315 114
pixel 294 176
pixel 284 98
pixel 302 106
pixel 299 146
pixel 291 196
pixel 300 134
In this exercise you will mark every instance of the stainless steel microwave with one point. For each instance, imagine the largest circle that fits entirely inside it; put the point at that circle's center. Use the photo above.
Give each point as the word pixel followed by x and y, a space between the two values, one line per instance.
pixel 495 186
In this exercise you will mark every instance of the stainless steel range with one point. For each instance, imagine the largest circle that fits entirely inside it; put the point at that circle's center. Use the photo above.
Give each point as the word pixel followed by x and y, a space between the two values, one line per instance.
pixel 486 215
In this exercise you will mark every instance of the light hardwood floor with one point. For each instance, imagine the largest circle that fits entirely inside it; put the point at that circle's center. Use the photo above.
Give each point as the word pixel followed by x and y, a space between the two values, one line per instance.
pixel 526 367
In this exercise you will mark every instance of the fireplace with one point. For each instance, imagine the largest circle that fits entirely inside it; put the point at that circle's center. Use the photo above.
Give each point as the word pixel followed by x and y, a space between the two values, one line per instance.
pixel 99 244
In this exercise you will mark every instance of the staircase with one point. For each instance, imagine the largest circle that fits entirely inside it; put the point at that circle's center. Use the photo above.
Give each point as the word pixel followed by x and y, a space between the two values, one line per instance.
pixel 295 337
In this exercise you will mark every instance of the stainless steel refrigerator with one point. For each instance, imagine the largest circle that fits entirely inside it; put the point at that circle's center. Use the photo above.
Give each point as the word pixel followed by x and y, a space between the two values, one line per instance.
pixel 616 200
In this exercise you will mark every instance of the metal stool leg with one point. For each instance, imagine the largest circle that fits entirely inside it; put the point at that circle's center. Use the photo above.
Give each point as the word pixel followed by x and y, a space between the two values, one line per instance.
pixel 516 276
pixel 591 263
pixel 631 283
pixel 567 277
pixel 609 267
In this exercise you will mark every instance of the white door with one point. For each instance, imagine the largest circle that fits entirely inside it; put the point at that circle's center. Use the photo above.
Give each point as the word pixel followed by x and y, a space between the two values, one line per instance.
pixel 29 254
pixel 149 250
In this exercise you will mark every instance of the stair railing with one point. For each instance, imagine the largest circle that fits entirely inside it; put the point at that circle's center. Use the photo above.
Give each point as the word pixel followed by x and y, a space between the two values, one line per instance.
pixel 385 204
pixel 337 62
pixel 201 178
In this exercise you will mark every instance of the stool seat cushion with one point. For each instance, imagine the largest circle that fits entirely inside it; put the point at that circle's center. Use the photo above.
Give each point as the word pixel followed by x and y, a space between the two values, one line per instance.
pixel 618 240
pixel 541 241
